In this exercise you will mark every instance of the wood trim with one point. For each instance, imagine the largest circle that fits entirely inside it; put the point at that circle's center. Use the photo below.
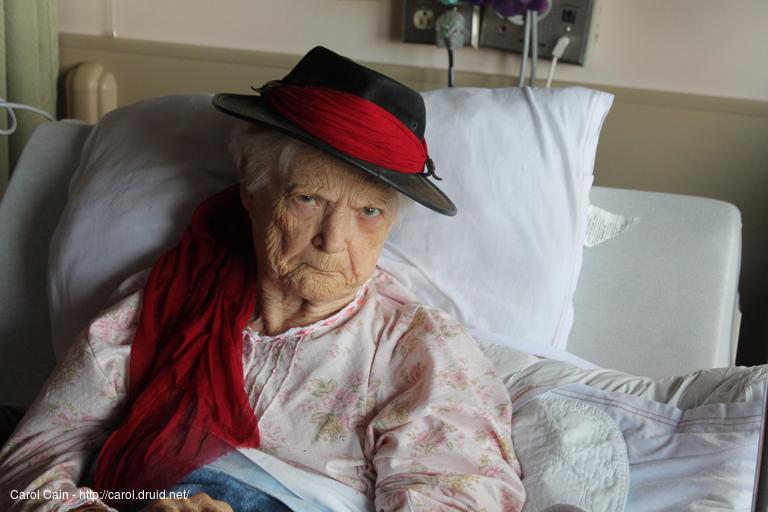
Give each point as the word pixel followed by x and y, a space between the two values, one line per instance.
pixel 176 50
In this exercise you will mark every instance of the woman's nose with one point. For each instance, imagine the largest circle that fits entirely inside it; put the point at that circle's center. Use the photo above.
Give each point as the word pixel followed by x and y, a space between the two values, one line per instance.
pixel 334 231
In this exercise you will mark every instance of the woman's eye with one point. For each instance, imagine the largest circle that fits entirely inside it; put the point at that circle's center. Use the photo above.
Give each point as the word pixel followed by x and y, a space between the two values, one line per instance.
pixel 305 199
pixel 371 212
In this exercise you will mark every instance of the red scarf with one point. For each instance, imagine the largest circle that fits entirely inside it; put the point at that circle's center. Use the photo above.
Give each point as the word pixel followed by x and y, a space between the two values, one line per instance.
pixel 188 404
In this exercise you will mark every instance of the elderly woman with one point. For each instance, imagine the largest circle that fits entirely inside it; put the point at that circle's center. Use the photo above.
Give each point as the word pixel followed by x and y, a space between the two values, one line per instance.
pixel 269 334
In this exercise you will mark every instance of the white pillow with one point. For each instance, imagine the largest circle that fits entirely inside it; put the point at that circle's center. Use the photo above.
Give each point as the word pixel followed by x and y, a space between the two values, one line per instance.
pixel 146 166
pixel 518 164
pixel 143 170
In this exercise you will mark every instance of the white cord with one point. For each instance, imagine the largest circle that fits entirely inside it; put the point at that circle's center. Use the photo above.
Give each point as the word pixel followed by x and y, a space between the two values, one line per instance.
pixel 551 72
pixel 12 115
pixel 112 23
pixel 526 44
pixel 557 52
pixel 534 45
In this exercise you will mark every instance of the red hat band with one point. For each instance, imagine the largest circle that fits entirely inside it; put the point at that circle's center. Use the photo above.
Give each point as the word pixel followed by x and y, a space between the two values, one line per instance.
pixel 351 124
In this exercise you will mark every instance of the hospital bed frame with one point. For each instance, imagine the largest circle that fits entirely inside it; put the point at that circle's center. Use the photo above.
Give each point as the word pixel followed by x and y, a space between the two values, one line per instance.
pixel 661 299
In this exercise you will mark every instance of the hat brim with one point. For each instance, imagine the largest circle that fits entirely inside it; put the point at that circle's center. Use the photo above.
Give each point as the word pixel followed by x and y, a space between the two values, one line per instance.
pixel 416 186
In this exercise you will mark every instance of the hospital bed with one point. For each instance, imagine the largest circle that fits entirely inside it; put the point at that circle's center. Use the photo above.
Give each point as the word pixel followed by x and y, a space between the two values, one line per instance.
pixel 657 301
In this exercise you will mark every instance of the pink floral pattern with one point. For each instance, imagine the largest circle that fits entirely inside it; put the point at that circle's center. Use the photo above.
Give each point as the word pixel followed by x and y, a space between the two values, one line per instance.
pixel 387 396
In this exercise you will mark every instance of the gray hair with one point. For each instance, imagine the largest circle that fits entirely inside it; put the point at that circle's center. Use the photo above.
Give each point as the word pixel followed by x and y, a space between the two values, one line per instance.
pixel 270 155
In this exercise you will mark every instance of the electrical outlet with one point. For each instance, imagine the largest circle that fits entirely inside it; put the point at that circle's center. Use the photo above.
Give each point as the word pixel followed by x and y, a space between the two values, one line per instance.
pixel 575 19
pixel 419 18
pixel 423 19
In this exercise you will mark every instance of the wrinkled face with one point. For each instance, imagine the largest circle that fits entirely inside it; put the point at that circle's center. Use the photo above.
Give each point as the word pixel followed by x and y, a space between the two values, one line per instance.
pixel 319 232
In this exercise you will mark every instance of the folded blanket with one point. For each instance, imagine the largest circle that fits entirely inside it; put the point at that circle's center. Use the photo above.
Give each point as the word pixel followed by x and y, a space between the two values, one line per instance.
pixel 690 442
pixel 570 453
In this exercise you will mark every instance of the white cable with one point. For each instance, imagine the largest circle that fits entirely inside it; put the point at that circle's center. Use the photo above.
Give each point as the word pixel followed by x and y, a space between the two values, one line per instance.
pixel 526 43
pixel 12 115
pixel 557 52
pixel 534 45
pixel 551 72
pixel 112 23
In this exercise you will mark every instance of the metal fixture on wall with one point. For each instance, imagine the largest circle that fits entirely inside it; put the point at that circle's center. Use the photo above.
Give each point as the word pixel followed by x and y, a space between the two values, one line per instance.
pixel 420 16
pixel 574 19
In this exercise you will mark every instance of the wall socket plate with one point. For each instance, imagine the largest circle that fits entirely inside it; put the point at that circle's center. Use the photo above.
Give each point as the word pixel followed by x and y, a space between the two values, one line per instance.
pixel 576 19
pixel 419 18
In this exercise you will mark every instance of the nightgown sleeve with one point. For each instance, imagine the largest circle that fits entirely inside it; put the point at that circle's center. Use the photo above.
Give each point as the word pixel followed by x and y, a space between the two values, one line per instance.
pixel 442 438
pixel 63 430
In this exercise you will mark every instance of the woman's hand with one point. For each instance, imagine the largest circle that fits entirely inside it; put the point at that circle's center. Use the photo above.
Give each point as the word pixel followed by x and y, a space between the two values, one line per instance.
pixel 199 502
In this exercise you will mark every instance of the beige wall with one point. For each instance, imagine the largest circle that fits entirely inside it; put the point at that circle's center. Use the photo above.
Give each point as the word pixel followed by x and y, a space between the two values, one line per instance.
pixel 710 47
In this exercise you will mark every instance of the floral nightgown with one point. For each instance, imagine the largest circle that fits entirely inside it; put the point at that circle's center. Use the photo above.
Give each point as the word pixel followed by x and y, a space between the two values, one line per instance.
pixel 387 396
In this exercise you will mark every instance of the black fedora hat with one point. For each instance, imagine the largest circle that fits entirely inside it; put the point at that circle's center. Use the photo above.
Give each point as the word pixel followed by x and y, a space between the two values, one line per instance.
pixel 333 103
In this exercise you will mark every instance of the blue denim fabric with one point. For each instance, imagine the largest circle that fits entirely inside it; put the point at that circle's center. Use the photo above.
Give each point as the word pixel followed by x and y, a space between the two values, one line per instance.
pixel 240 496
pixel 245 486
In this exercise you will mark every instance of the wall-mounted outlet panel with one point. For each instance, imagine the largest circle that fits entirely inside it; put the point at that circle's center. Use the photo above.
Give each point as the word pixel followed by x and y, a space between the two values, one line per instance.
pixel 419 18
pixel 573 18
